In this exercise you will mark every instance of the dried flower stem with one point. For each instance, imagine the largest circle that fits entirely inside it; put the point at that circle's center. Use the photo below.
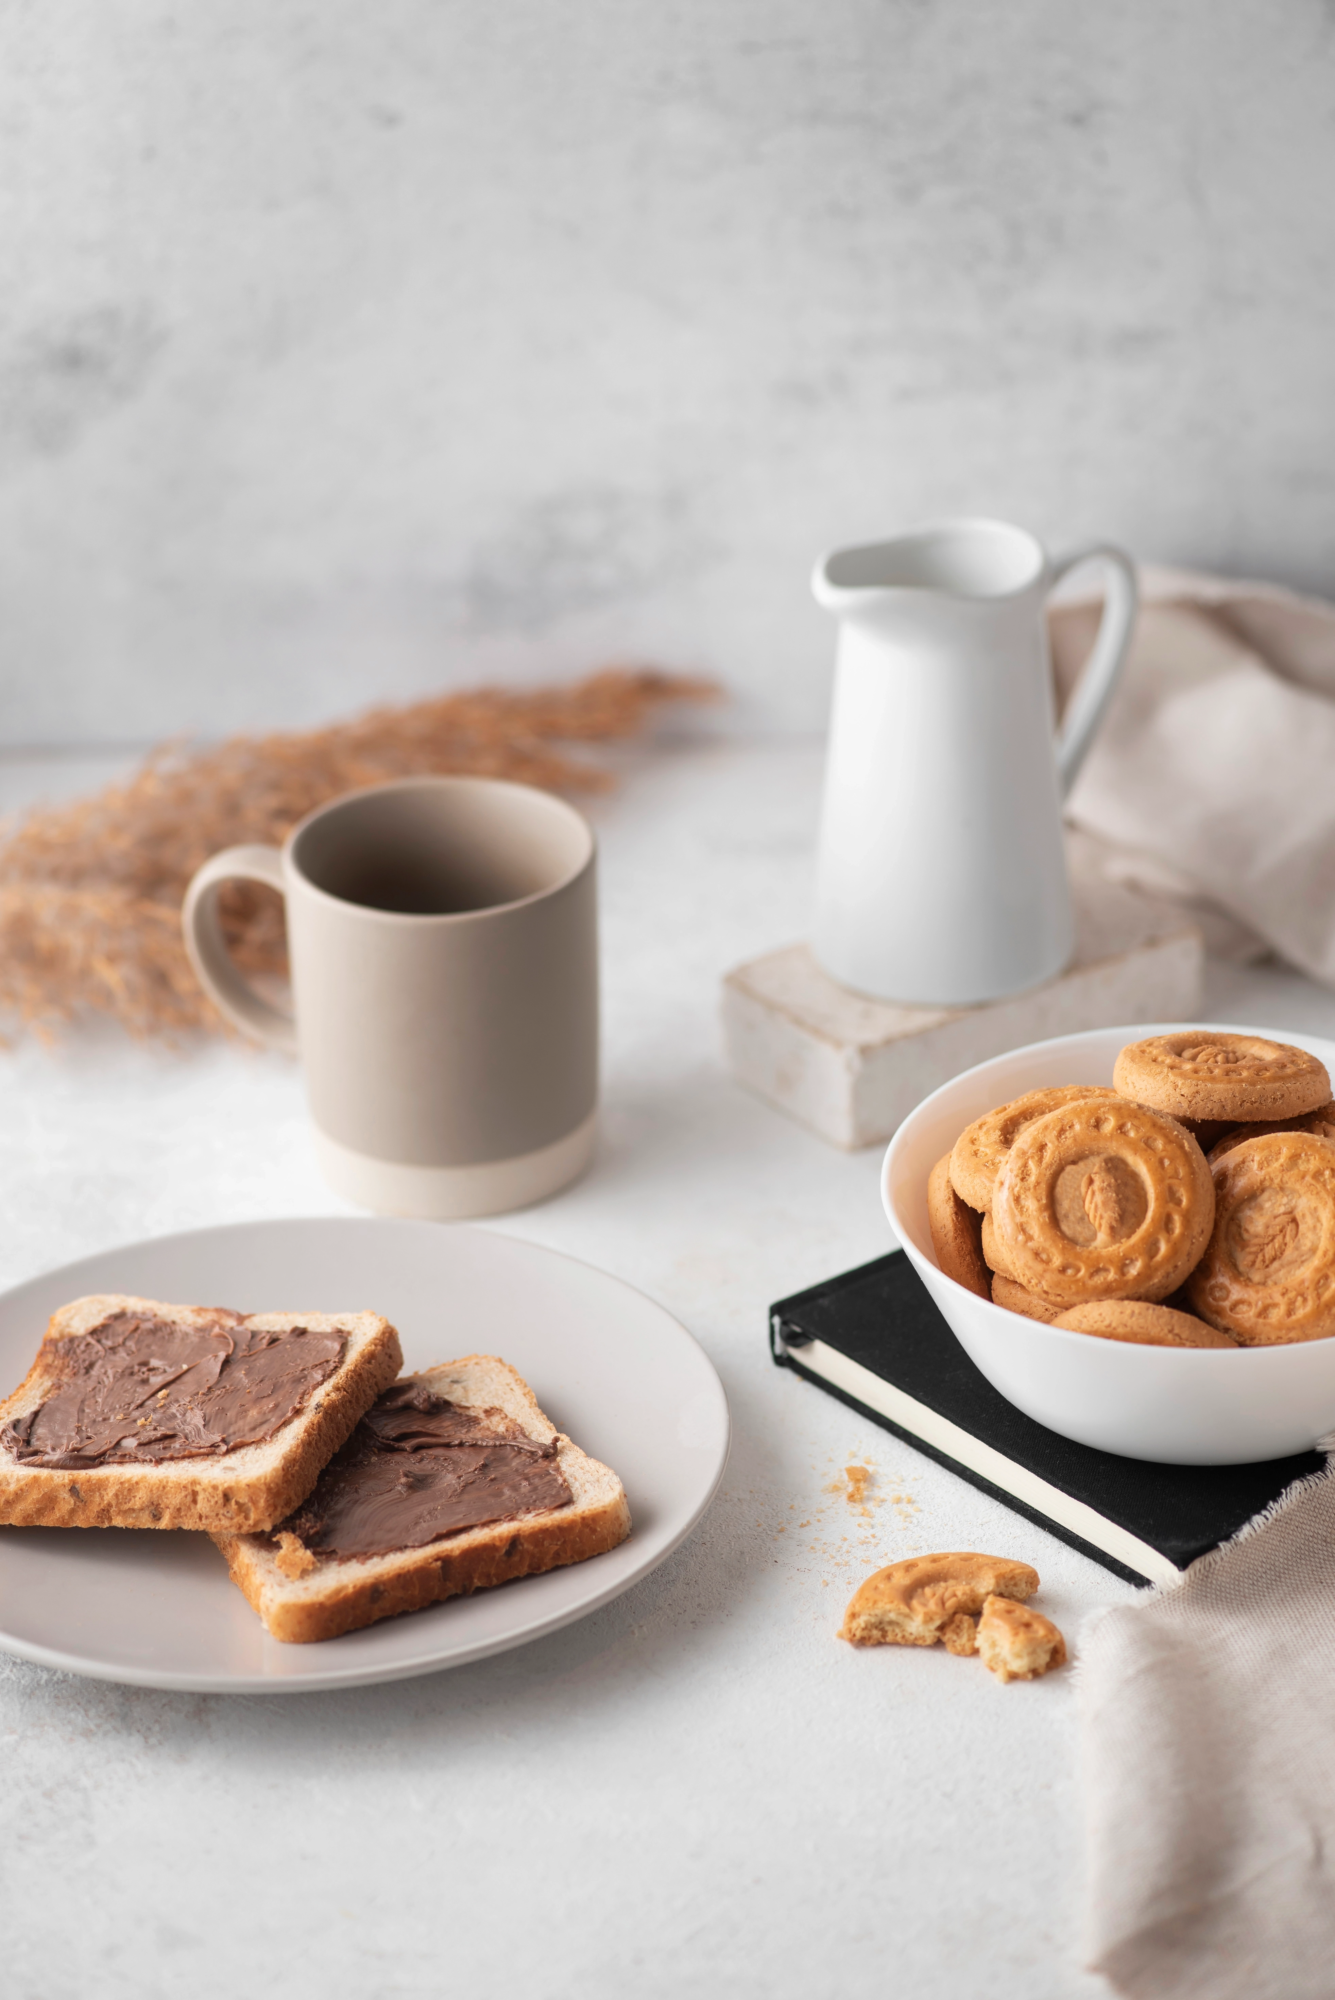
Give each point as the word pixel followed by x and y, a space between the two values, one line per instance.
pixel 90 892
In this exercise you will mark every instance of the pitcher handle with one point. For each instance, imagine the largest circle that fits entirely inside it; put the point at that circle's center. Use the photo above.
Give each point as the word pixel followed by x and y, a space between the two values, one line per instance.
pixel 1094 690
pixel 207 950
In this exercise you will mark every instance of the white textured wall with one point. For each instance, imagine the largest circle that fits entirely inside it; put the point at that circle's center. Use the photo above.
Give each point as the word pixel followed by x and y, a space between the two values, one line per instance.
pixel 349 349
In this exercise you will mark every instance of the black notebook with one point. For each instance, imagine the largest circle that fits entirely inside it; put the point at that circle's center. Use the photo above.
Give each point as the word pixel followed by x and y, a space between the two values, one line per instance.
pixel 874 1338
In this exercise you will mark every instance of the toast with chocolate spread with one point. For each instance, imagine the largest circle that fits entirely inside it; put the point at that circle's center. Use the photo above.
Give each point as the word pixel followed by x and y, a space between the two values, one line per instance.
pixel 453 1481
pixel 137 1414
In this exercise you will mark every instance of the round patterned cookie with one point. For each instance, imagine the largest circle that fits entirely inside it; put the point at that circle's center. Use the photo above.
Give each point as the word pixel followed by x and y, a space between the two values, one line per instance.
pixel 993 1255
pixel 1015 1298
pixel 1268 1273
pixel 955 1233
pixel 1193 1073
pixel 1320 1122
pixel 1103 1199
pixel 980 1152
pixel 1138 1320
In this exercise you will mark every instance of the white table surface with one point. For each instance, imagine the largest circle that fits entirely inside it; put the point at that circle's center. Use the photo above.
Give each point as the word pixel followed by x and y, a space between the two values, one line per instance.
pixel 698 1788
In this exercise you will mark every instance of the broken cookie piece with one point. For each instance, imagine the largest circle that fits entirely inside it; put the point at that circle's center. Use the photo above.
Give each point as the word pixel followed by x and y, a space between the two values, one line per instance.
pixel 1017 1643
pixel 926 1600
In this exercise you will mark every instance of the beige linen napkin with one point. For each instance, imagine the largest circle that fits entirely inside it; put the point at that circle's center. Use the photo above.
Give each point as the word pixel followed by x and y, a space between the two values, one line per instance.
pixel 1208 1709
pixel 1208 1742
pixel 1213 777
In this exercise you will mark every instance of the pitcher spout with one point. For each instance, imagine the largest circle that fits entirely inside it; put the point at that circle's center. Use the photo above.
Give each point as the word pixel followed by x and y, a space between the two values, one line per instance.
pixel 979 560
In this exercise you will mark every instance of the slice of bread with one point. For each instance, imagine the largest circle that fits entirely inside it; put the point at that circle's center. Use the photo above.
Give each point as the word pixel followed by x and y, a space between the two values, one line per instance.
pixel 340 1595
pixel 248 1488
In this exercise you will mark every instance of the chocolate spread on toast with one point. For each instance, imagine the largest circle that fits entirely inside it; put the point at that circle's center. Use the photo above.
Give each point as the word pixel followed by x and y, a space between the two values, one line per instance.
pixel 418 1467
pixel 139 1389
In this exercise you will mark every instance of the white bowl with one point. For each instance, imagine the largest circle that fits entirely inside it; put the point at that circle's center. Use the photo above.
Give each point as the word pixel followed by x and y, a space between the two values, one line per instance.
pixel 1176 1405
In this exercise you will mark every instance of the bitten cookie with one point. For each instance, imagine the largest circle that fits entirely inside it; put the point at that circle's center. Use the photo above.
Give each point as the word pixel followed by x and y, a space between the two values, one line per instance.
pixel 1015 1298
pixel 929 1598
pixel 1103 1199
pixel 955 1233
pixel 1195 1074
pixel 1138 1320
pixel 1017 1643
pixel 1268 1272
pixel 980 1151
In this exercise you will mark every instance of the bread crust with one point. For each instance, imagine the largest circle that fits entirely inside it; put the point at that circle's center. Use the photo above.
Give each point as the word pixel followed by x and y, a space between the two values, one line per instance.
pixel 251 1488
pixel 330 1598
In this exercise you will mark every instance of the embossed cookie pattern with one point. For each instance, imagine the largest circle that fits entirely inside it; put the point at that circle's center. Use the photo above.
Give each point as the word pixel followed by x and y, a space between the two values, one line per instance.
pixel 1268 1272
pixel 980 1152
pixel 1103 1199
pixel 1201 1074
pixel 1091 1208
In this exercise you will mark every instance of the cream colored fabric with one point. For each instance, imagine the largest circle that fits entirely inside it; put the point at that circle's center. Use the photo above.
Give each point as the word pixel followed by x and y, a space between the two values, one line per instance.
pixel 1208 1733
pixel 1208 1710
pixel 1213 778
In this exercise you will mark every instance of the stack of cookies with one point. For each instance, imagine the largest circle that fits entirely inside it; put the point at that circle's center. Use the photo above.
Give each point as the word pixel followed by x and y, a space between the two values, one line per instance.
pixel 1192 1205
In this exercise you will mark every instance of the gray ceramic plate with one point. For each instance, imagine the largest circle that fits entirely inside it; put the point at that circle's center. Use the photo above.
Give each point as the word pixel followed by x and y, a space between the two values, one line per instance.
pixel 610 1367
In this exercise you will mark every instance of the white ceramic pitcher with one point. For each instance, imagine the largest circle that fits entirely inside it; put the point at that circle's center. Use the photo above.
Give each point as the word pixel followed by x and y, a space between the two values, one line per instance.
pixel 942 877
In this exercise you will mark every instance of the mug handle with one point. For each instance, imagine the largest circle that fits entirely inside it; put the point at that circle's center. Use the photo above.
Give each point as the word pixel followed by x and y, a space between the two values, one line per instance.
pixel 1102 670
pixel 207 950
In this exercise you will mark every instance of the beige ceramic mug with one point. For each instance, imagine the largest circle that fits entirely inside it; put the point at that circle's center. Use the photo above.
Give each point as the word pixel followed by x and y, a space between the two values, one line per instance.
pixel 442 934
